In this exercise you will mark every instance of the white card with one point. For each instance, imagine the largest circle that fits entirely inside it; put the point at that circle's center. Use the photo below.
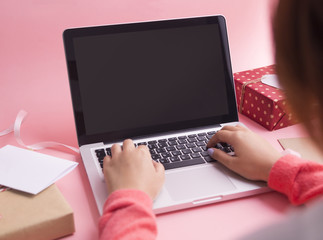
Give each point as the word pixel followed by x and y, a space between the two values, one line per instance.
pixel 271 80
pixel 30 171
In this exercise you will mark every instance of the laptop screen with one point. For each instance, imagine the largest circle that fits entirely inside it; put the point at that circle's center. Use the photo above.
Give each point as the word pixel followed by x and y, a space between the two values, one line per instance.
pixel 138 79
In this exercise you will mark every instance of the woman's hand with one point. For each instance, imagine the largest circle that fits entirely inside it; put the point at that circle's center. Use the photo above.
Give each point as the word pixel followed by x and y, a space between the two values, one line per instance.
pixel 254 157
pixel 133 168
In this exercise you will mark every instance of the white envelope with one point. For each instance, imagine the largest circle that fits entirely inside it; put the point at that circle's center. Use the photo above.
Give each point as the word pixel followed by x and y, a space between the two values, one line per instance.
pixel 30 171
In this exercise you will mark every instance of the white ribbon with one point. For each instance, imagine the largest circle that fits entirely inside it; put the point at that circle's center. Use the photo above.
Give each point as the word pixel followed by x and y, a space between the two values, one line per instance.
pixel 7 131
pixel 37 146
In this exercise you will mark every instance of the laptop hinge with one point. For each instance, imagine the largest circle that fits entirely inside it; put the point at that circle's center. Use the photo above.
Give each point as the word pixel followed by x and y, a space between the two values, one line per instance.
pixel 182 131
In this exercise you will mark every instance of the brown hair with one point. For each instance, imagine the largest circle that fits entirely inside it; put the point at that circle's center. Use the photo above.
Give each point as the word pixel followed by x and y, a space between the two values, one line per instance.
pixel 298 37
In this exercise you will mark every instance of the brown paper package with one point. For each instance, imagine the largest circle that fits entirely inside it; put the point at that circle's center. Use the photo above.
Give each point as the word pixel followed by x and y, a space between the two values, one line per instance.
pixel 44 216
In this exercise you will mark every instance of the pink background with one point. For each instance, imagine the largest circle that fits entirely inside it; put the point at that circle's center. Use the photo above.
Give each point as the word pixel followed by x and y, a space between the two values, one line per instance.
pixel 33 77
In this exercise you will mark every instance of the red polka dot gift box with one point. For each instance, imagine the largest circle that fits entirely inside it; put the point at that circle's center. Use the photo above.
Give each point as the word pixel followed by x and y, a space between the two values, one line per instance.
pixel 260 102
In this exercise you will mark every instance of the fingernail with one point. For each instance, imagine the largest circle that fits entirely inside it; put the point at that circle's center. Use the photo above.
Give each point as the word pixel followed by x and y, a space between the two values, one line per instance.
pixel 210 151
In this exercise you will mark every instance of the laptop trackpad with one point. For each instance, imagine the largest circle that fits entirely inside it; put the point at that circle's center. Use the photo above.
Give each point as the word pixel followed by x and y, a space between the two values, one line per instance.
pixel 196 183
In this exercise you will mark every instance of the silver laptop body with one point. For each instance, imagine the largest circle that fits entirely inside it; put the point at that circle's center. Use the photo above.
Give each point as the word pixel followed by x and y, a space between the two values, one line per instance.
pixel 153 82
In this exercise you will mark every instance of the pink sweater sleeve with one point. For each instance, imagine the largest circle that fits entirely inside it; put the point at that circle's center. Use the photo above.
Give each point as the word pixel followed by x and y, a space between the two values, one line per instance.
pixel 127 214
pixel 299 179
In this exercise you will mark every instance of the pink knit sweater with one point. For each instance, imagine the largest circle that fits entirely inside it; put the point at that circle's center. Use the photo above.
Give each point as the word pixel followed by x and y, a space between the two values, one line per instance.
pixel 128 213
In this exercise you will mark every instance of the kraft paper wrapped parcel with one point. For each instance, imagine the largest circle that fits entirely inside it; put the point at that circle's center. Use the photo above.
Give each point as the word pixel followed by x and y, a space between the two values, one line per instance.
pixel 44 216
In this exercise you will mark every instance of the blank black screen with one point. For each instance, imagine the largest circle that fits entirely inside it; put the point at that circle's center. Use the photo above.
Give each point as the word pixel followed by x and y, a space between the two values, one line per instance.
pixel 148 78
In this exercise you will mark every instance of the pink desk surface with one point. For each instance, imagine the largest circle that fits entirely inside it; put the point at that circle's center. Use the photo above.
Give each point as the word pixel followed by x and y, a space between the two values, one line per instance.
pixel 33 77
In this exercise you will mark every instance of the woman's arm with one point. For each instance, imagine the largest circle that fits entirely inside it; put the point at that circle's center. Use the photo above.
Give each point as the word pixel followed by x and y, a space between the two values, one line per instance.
pixel 127 214
pixel 133 181
pixel 299 179
pixel 256 159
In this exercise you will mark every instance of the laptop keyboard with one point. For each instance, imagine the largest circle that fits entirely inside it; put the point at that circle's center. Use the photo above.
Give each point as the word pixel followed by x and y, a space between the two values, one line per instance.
pixel 176 152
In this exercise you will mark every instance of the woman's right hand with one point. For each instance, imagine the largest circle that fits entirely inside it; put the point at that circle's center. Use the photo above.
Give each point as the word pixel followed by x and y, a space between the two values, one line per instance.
pixel 254 156
pixel 131 167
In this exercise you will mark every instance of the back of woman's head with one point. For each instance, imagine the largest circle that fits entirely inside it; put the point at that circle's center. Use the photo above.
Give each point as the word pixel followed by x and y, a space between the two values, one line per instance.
pixel 298 37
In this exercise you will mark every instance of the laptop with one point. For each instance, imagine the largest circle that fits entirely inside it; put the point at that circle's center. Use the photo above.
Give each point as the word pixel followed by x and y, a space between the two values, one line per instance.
pixel 166 84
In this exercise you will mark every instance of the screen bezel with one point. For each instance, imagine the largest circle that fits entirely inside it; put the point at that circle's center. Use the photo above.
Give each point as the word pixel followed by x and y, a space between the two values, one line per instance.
pixel 83 138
